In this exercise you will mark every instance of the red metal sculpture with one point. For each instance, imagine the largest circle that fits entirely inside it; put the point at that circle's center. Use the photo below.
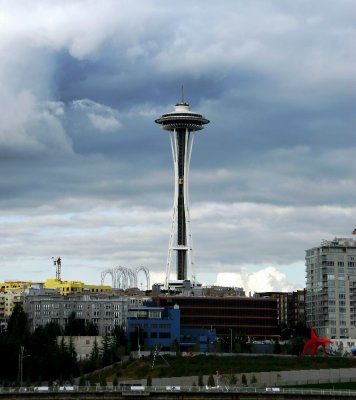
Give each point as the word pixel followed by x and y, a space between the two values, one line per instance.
pixel 314 342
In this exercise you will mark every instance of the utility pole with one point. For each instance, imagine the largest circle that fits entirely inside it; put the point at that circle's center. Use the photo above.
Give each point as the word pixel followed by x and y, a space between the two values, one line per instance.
pixel 230 340
pixel 21 364
pixel 138 341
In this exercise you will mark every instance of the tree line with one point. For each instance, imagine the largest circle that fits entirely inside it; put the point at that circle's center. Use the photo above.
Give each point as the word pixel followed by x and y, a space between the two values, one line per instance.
pixel 38 356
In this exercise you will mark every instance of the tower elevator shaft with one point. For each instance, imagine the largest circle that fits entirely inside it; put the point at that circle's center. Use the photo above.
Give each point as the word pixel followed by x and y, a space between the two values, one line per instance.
pixel 181 217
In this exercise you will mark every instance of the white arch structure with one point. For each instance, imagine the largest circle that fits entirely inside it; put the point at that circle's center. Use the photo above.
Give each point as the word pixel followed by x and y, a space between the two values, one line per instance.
pixel 108 272
pixel 147 274
pixel 125 278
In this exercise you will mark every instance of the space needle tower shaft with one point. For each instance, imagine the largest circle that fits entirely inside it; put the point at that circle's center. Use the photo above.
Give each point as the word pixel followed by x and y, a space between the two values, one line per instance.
pixel 182 124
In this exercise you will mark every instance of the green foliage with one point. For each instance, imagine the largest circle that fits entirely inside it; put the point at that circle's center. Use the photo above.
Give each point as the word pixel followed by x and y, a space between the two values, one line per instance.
pixel 78 327
pixel 81 380
pixel 44 356
pixel 92 380
pixel 119 334
pixel 277 349
pixel 106 350
pixel 232 379
pixel 17 324
pixel 243 380
pixel 296 346
pixel 211 381
pixel 175 346
pixel 242 341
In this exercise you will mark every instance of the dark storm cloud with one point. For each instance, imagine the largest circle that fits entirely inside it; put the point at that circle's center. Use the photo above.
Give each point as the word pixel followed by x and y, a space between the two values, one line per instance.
pixel 79 148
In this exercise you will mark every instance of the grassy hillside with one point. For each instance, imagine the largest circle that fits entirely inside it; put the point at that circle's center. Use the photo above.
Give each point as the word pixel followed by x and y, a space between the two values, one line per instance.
pixel 208 364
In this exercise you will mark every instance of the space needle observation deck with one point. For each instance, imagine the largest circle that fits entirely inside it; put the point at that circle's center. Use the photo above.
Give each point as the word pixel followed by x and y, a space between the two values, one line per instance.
pixel 182 124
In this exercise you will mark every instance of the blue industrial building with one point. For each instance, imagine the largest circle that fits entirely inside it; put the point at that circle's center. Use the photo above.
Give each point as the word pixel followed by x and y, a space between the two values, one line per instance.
pixel 149 327
pixel 155 326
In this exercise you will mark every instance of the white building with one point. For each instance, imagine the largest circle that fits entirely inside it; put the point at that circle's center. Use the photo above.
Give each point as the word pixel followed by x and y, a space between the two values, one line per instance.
pixel 331 288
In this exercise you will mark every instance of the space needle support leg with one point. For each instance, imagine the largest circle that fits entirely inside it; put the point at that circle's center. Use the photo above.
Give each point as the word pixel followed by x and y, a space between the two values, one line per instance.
pixel 174 146
pixel 189 244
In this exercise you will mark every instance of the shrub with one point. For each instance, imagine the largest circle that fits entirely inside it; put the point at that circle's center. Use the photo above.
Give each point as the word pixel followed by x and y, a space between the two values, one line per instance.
pixel 200 380
pixel 149 380
pixel 211 381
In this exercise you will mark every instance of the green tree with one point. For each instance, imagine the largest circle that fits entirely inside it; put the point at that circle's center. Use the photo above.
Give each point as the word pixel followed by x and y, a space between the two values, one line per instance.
pixel 91 329
pixel 103 381
pixel 71 349
pixel 95 354
pixel 74 326
pixel 242 340
pixel 232 379
pixel 81 380
pixel 295 346
pixel 149 380
pixel 17 324
pixel 200 380
pixel 253 380
pixel 277 349
pixel 211 381
pixel 119 334
pixel 175 346
pixel 107 351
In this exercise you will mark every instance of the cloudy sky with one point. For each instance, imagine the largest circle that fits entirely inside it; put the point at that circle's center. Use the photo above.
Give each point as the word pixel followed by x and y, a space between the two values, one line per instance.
pixel 87 175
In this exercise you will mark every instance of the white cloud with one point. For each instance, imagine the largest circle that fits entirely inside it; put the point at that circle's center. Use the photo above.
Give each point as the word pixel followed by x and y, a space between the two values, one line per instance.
pixel 104 123
pixel 265 280
pixel 101 117
pixel 258 206
pixel 31 128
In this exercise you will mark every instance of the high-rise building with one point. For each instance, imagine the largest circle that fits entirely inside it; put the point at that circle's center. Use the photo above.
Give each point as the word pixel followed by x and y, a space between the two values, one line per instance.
pixel 290 311
pixel 181 123
pixel 331 288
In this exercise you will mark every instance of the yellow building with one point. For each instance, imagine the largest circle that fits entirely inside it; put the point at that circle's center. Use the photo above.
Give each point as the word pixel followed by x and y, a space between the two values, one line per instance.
pixel 12 292
pixel 14 285
pixel 66 287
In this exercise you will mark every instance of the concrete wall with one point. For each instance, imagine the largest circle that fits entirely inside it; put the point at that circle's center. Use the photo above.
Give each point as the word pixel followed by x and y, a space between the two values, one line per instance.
pixel 83 344
pixel 274 378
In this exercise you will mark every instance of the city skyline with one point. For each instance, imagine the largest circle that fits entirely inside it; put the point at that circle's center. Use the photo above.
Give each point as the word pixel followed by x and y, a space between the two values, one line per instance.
pixel 87 177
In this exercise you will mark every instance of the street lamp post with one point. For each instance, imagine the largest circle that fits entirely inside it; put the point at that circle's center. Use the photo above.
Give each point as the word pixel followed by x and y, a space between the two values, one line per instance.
pixel 21 364
pixel 138 341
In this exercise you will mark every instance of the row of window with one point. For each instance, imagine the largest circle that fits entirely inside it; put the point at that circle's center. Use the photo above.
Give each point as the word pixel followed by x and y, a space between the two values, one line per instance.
pixel 70 306
pixel 161 335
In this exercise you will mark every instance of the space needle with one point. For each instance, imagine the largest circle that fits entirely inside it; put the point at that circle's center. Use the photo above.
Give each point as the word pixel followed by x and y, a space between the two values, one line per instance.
pixel 182 124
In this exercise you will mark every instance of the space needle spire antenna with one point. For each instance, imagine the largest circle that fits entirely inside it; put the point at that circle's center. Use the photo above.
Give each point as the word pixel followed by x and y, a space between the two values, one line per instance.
pixel 182 124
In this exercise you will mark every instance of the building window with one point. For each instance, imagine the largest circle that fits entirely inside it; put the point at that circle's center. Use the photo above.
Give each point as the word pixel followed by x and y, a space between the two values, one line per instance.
pixel 164 335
